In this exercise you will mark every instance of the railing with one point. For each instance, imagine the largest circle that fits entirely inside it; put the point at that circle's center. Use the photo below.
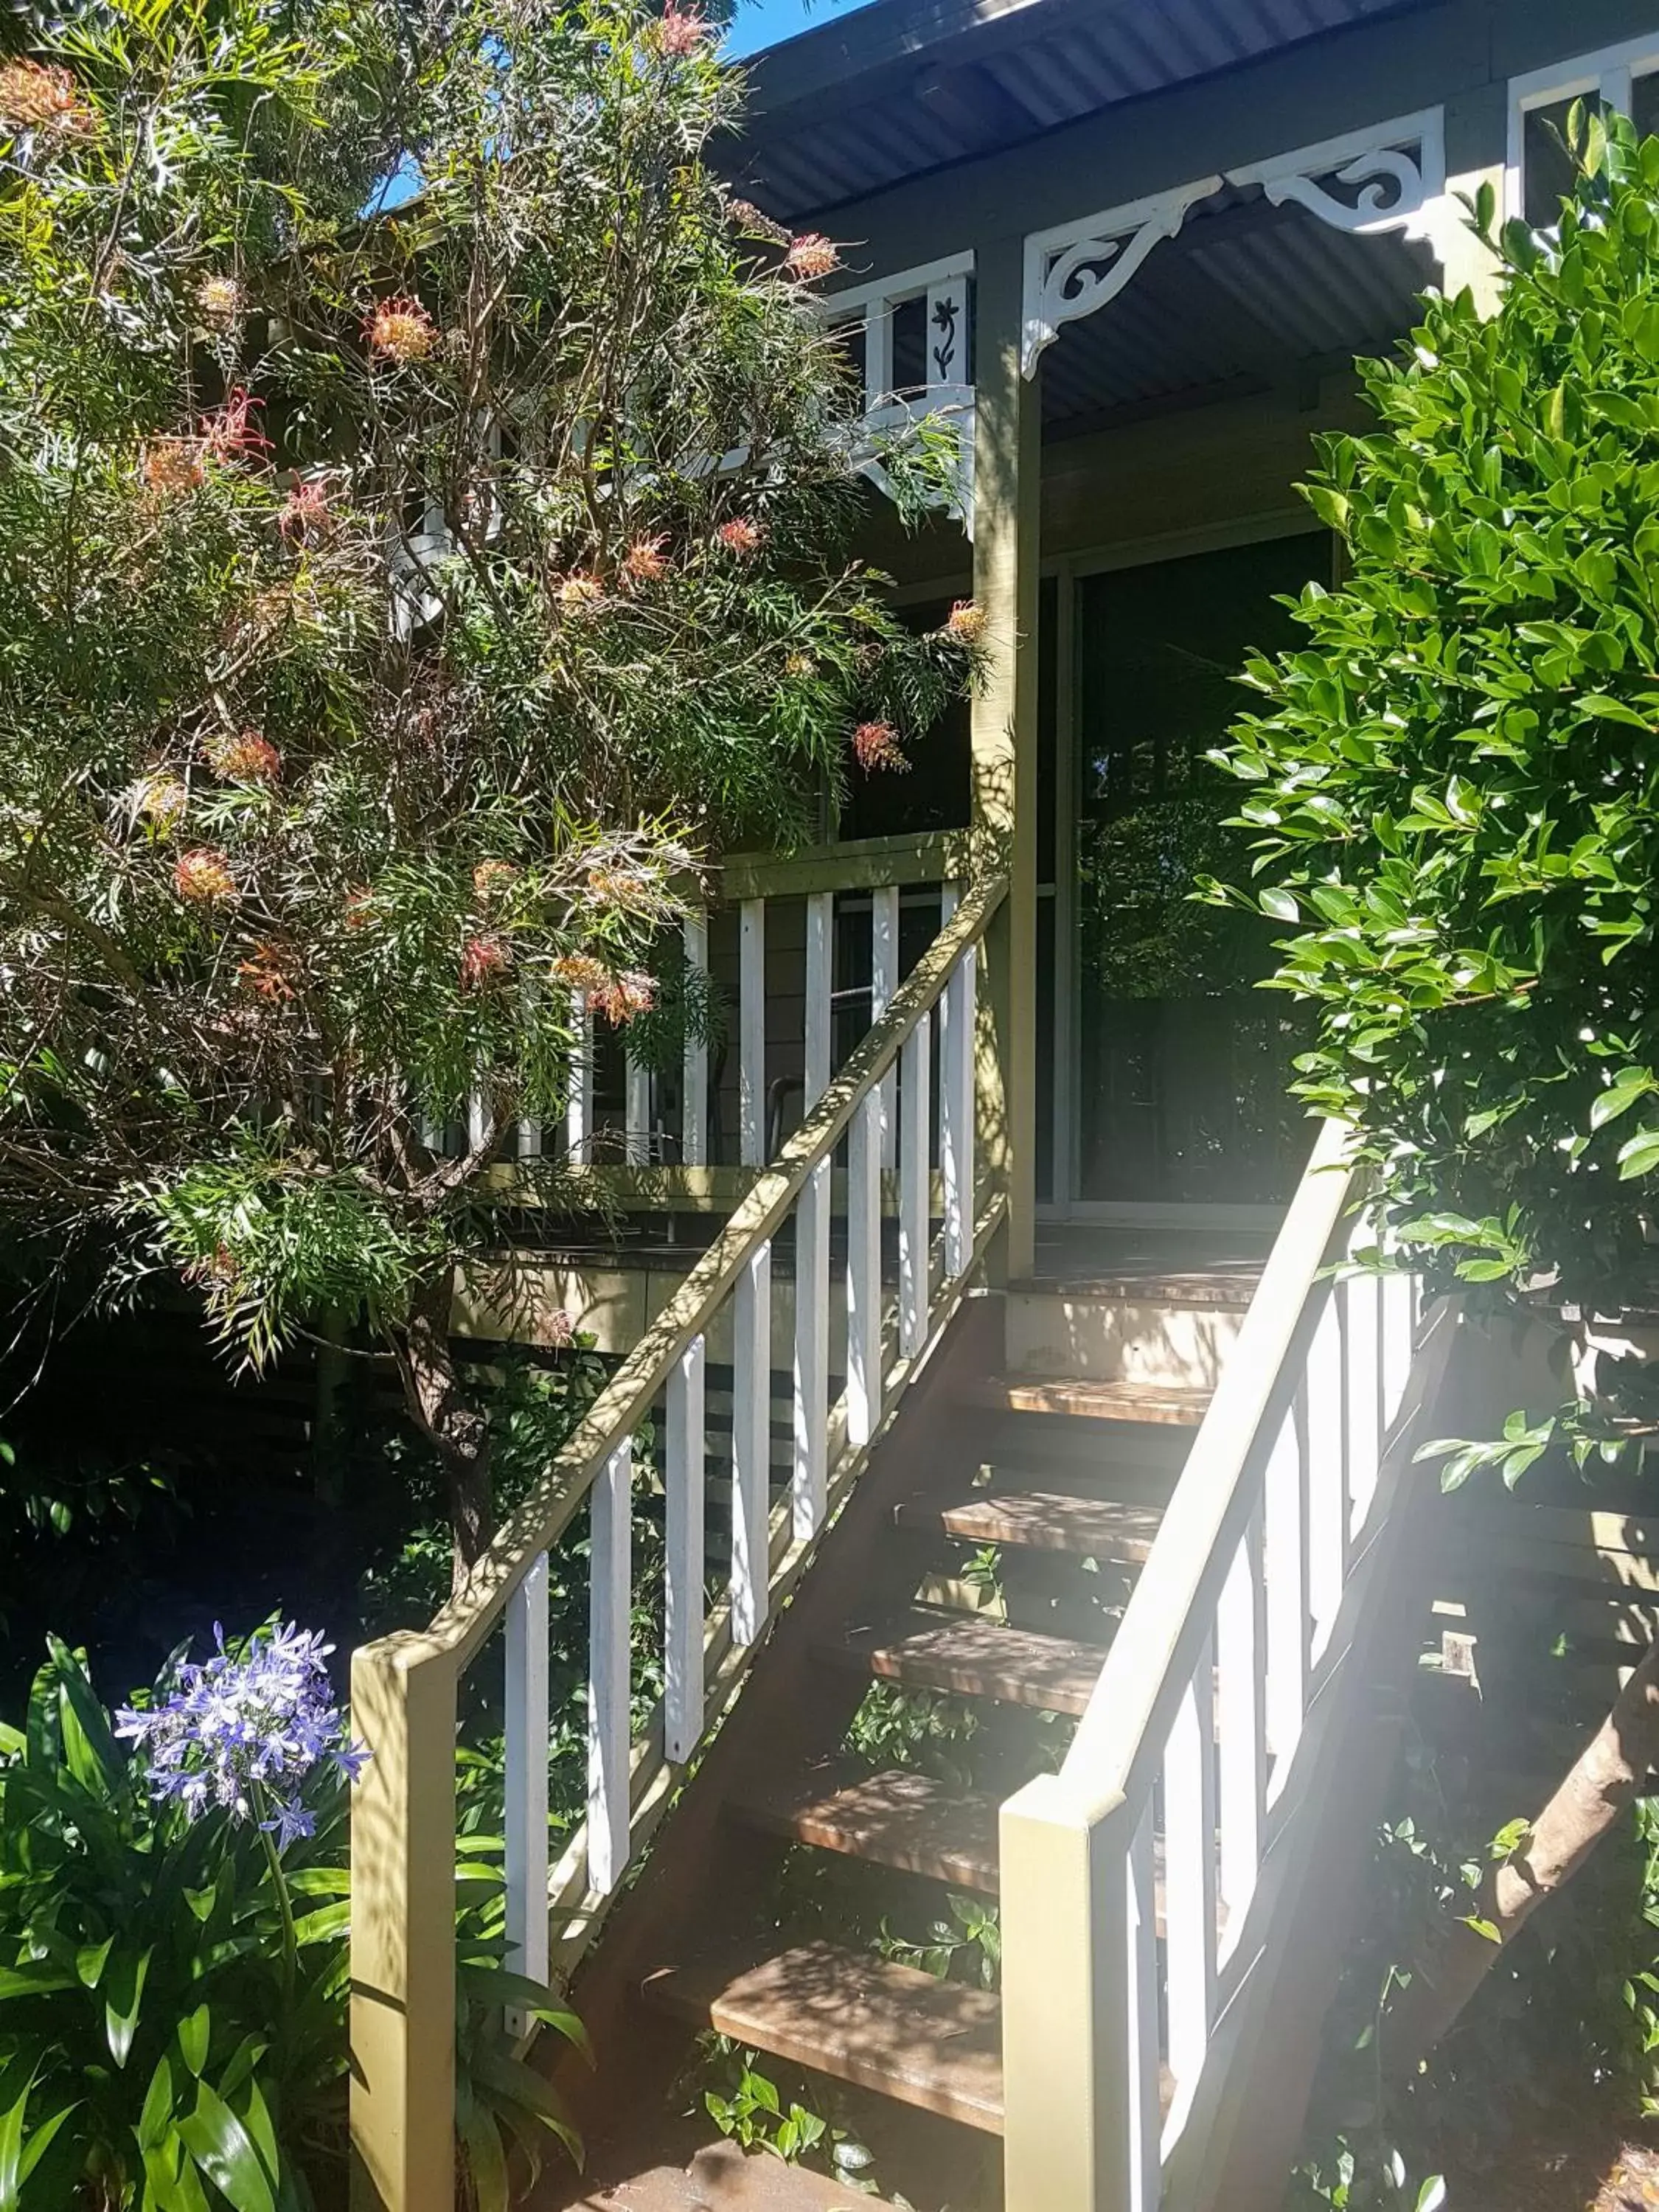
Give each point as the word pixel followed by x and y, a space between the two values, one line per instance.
pixel 405 1688
pixel 1207 1738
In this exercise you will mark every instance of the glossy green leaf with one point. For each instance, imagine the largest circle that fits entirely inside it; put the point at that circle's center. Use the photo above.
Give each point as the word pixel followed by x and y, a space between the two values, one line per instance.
pixel 224 2150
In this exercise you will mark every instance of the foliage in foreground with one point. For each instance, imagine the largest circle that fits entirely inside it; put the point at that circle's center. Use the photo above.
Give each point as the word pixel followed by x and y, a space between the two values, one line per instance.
pixel 1452 789
pixel 174 1976
pixel 425 502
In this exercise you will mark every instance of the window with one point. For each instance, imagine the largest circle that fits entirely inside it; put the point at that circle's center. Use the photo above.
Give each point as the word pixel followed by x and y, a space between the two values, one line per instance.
pixel 1539 170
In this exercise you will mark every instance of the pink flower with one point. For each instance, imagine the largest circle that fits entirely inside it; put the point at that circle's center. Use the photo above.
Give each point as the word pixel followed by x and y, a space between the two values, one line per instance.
pixel 228 433
pixel 203 875
pixel 483 959
pixel 305 513
pixel 740 535
pixel 681 32
pixel 643 562
pixel 811 256
pixel 401 329
pixel 560 1329
pixel 877 746
pixel 245 758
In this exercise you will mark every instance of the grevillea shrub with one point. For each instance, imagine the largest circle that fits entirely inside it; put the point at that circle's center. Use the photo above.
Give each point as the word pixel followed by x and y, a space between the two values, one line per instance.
pixel 424 527
pixel 173 1926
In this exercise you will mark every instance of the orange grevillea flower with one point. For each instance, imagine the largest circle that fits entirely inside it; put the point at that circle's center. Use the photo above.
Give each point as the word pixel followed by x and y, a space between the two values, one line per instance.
pixel 401 330
pixel 490 878
pixel 245 758
pixel 644 561
pixel 579 971
pixel 219 301
pixel 740 535
pixel 625 997
pixel 36 96
pixel 204 875
pixel 966 621
pixel 172 465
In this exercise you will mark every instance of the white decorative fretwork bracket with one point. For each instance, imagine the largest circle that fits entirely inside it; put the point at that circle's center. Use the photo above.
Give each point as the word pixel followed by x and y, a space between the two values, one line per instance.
pixel 1388 177
pixel 1076 268
pixel 944 398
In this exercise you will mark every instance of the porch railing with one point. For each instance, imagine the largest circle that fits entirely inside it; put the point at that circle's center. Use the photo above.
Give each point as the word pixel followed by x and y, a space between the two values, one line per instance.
pixel 405 1689
pixel 1208 1739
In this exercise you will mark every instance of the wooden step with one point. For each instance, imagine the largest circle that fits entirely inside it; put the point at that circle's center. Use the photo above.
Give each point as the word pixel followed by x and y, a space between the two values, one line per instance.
pixel 1084 1399
pixel 926 2042
pixel 975 1658
pixel 894 1819
pixel 719 2178
pixel 1049 1519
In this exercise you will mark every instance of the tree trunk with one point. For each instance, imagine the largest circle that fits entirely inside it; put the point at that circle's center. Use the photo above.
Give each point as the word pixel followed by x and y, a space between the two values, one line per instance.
pixel 1599 1788
pixel 458 1429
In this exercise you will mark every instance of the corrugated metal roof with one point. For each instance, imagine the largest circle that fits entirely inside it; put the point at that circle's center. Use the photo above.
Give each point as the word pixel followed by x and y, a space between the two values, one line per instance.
pixel 907 87
pixel 1246 293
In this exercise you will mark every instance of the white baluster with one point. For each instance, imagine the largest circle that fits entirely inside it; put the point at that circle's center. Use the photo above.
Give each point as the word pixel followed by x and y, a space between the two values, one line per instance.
pixel 1241 1666
pixel 636 1125
pixel 864 1271
pixel 1286 1537
pixel 1328 1465
pixel 1141 2149
pixel 877 353
pixel 884 982
pixel 957 1105
pixel 1399 1330
pixel 609 1725
pixel 914 1191
pixel 1189 1879
pixel 1361 1313
pixel 477 1117
pixel 579 1114
pixel 751 1033
pixel 683 1625
pixel 811 1364
pixel 694 1102
pixel 526 1733
pixel 751 1445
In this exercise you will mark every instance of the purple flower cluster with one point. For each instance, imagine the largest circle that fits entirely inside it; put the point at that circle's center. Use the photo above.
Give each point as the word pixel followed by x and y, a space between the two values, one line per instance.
pixel 246 1729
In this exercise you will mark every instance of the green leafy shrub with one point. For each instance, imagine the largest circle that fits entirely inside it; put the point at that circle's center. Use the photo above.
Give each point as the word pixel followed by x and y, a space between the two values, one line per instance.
pixel 1452 789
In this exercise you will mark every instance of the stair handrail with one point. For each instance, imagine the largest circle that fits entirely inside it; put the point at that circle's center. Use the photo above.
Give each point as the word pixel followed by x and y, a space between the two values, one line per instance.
pixel 404 1685
pixel 1264 1552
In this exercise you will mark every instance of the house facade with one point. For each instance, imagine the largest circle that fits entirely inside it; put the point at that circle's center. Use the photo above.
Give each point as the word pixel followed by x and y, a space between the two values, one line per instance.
pixel 1125 252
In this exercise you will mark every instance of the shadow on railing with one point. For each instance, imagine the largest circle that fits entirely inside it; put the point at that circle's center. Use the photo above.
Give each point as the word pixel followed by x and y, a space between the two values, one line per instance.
pixel 1197 1769
pixel 405 1688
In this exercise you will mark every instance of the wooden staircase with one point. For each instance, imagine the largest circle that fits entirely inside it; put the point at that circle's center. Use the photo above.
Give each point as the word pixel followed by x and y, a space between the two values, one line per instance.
pixel 1065 1473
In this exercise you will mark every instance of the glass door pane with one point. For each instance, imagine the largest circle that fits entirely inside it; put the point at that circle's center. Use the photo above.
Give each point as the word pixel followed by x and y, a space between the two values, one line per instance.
pixel 1182 1066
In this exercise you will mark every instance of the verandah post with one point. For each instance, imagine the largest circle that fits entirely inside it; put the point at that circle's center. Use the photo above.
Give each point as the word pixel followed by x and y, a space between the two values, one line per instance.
pixel 1007 466
pixel 403 1929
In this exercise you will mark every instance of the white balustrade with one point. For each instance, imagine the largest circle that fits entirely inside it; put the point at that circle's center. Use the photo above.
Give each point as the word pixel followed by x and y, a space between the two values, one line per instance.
pixel 751 1443
pixel 1218 1710
pixel 693 1099
pixel 810 1410
pixel 525 1725
pixel 609 1731
pixel 682 1592
pixel 751 1033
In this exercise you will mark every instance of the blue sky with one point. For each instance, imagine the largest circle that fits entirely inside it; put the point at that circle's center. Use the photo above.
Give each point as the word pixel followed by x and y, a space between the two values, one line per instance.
pixel 763 23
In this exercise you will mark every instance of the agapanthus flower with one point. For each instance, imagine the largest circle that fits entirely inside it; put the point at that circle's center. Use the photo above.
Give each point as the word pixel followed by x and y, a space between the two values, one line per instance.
pixel 483 959
pixel 579 971
pixel 39 96
pixel 681 32
pixel 219 301
pixel 204 875
pixel 876 745
pixel 739 535
pixel 245 757
pixel 491 879
pixel 625 997
pixel 966 621
pixel 172 465
pixel 305 513
pixel 246 1732
pixel 644 561
pixel 401 329
pixel 811 256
